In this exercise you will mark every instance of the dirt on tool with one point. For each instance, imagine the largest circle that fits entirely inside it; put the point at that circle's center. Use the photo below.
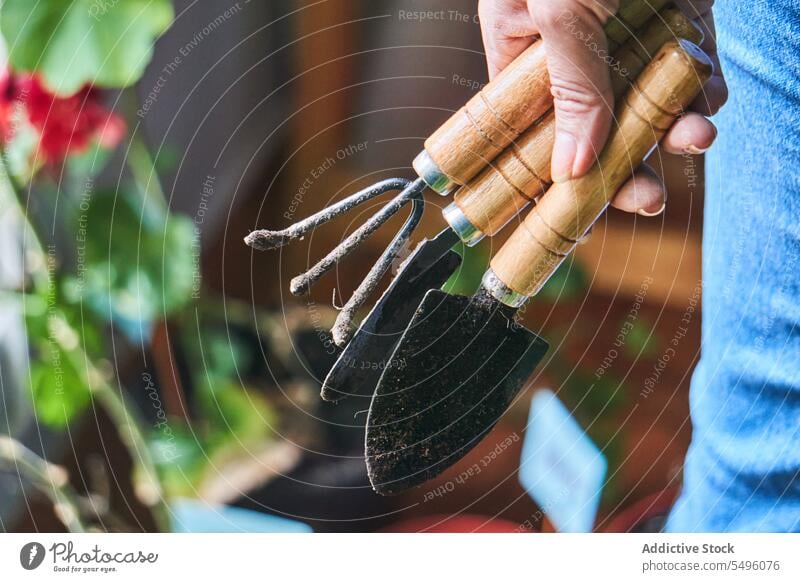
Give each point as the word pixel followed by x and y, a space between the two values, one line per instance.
pixel 363 360
pixel 456 371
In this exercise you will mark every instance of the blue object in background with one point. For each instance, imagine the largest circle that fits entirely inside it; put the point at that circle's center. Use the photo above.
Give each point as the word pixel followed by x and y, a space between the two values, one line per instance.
pixel 742 471
pixel 561 468
pixel 190 516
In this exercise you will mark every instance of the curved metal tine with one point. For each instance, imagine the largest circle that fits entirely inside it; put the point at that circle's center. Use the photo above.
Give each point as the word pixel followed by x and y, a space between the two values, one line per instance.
pixel 343 330
pixel 263 240
pixel 302 283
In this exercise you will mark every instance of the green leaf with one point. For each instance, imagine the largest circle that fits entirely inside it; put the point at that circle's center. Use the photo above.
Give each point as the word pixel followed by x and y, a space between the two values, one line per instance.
pixel 467 278
pixel 642 340
pixel 58 388
pixel 140 261
pixel 84 166
pixel 240 421
pixel 242 415
pixel 569 281
pixel 167 159
pixel 179 459
pixel 73 42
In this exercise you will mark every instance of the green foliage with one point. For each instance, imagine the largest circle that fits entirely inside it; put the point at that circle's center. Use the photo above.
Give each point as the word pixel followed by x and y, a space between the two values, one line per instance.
pixel 59 389
pixel 597 395
pixel 179 458
pixel 83 167
pixel 59 394
pixel 73 42
pixel 234 413
pixel 139 261
pixel 641 339
pixel 467 278
pixel 239 417
pixel 232 419
pixel 225 356
pixel 234 422
pixel 167 159
pixel 568 282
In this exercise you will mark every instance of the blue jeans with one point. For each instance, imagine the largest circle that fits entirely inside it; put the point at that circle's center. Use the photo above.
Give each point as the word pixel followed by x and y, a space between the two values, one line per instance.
pixel 742 471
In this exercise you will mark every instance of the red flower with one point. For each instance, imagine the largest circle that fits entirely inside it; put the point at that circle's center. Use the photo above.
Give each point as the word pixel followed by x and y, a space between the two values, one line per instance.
pixel 66 125
pixel 8 101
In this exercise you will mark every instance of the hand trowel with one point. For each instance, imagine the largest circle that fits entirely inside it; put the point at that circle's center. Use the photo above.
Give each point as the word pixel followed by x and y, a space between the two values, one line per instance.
pixel 462 361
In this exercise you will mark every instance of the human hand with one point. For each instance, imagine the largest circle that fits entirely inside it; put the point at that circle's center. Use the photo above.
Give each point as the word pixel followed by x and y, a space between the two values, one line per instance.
pixel 581 84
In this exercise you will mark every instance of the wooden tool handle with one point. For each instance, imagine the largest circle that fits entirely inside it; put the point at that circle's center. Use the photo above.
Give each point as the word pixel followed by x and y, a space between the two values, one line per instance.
pixel 568 209
pixel 509 104
pixel 521 173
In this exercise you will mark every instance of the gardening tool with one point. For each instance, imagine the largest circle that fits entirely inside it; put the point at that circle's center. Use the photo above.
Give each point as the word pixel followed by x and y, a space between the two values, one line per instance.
pixel 453 155
pixel 466 358
pixel 483 207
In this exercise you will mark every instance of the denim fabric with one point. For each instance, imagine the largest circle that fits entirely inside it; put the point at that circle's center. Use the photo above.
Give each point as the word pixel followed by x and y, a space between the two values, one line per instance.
pixel 742 472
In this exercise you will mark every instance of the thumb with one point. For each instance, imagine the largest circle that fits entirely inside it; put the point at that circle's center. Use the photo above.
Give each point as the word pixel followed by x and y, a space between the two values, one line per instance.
pixel 577 54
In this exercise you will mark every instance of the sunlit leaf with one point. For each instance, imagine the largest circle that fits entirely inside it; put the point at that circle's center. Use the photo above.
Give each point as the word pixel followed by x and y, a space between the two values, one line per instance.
pixel 467 278
pixel 179 458
pixel 139 265
pixel 58 386
pixel 240 415
pixel 73 42
pixel 226 356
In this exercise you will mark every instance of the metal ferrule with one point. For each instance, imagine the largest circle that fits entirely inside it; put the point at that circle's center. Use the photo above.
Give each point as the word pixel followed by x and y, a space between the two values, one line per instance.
pixel 469 234
pixel 429 171
pixel 501 292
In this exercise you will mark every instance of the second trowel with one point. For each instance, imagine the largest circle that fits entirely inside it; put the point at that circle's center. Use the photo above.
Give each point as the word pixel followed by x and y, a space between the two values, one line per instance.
pixel 481 208
pixel 463 360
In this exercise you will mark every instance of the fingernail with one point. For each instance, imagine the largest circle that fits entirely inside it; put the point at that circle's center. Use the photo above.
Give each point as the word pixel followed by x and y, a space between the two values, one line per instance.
pixel 564 150
pixel 693 149
pixel 643 212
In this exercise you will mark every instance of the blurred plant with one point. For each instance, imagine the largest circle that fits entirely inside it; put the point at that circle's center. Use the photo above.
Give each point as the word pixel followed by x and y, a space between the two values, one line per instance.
pixel 641 340
pixel 595 398
pixel 234 421
pixel 50 479
pixel 128 261
pixel 127 278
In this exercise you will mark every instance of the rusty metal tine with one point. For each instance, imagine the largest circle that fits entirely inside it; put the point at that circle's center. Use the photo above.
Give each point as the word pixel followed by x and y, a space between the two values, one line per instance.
pixel 342 330
pixel 263 240
pixel 302 283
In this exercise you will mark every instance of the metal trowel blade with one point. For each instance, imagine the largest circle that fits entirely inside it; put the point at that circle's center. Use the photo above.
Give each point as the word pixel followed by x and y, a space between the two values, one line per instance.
pixel 360 365
pixel 459 365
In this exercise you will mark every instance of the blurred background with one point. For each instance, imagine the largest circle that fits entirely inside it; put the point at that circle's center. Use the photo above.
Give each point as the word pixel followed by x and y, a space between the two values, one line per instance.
pixel 147 354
